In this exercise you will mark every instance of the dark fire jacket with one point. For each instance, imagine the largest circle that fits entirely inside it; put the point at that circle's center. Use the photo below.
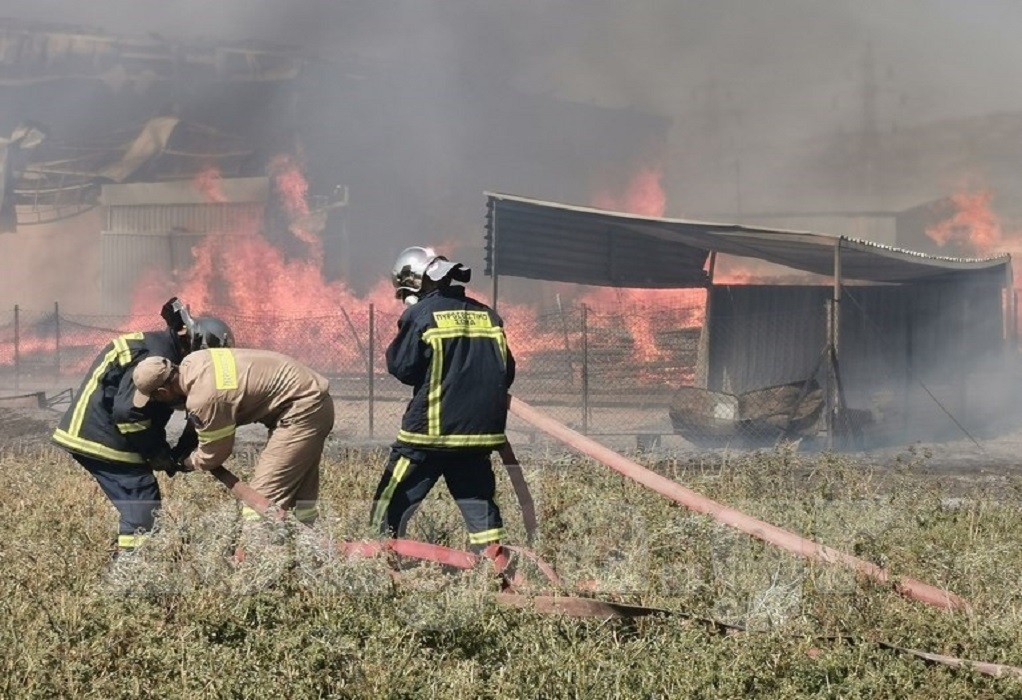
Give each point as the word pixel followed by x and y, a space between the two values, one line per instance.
pixel 101 421
pixel 452 350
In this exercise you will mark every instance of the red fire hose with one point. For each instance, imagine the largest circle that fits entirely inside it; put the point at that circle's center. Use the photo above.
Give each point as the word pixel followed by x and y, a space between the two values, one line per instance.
pixel 909 587
pixel 545 602
pixel 456 558
pixel 521 487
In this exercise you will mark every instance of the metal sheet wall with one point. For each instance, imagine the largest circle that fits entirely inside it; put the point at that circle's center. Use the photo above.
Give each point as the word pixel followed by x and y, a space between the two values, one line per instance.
pixel 126 257
pixel 200 218
pixel 764 335
pixel 140 238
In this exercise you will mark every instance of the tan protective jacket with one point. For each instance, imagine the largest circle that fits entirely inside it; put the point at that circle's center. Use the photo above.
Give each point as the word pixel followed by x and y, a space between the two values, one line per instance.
pixel 231 387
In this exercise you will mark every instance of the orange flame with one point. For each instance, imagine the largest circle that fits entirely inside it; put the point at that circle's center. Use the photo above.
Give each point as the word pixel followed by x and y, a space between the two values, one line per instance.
pixel 209 182
pixel 292 190
pixel 283 303
pixel 645 195
pixel 974 228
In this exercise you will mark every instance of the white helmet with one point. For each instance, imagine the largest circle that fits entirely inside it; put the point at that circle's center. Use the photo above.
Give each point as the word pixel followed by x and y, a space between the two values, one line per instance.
pixel 415 263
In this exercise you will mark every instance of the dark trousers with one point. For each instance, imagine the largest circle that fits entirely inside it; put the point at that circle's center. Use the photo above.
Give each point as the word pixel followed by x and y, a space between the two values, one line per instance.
pixel 411 474
pixel 132 489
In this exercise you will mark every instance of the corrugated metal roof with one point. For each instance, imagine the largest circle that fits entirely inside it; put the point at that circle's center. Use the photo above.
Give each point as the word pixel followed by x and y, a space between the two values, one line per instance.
pixel 555 241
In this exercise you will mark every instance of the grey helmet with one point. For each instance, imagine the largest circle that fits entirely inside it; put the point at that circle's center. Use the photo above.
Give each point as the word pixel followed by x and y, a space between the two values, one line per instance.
pixel 207 332
pixel 415 263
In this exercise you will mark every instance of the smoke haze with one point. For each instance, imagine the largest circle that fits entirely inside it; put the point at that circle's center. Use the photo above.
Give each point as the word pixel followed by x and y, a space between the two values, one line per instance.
pixel 417 106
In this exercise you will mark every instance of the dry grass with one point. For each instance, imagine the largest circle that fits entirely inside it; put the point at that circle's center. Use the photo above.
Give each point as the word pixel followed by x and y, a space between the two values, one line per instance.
pixel 295 620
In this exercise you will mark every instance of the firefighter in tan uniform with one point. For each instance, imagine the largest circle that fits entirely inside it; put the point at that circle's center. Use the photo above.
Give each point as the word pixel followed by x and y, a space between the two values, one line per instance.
pixel 224 388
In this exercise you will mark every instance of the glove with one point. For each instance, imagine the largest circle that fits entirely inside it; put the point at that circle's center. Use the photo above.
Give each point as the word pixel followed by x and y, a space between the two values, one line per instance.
pixel 178 467
pixel 188 441
pixel 165 462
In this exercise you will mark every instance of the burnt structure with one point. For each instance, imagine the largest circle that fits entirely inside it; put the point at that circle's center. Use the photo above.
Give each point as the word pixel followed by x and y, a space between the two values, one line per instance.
pixel 361 131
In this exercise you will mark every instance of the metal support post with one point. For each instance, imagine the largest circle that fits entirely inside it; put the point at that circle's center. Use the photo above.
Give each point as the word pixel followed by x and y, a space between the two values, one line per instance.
pixel 585 369
pixel 56 337
pixel 372 367
pixel 17 347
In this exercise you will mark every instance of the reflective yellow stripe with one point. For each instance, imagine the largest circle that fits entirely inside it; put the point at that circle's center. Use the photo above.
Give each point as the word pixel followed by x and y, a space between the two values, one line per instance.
pixel 83 399
pixel 436 372
pixel 119 345
pixel 400 469
pixel 249 513
pixel 502 346
pixel 122 348
pixel 123 352
pixel 138 427
pixel 494 333
pixel 307 514
pixel 131 541
pixel 491 440
pixel 487 536
pixel 95 449
pixel 207 436
pixel 224 369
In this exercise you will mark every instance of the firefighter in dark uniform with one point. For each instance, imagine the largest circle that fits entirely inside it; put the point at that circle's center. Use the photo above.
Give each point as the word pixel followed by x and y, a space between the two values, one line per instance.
pixel 121 445
pixel 452 350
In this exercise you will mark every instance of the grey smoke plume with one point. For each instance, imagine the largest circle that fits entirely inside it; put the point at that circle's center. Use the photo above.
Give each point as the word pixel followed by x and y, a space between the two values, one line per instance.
pixel 417 106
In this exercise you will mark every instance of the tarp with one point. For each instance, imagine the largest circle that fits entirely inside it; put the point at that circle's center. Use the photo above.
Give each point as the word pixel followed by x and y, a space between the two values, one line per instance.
pixel 150 142
pixel 560 242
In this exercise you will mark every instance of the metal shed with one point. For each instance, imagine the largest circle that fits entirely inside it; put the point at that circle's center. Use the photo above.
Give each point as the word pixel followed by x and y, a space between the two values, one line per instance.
pixel 923 319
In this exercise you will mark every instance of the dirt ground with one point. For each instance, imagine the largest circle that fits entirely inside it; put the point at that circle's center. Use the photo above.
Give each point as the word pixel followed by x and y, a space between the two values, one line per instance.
pixel 994 458
pixel 23 425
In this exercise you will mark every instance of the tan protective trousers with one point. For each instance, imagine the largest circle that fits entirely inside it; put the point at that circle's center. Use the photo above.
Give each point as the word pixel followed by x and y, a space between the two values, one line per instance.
pixel 287 471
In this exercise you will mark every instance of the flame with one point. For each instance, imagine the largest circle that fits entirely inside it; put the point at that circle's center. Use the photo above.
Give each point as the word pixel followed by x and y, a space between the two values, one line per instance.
pixel 271 301
pixel 38 350
pixel 974 228
pixel 209 182
pixel 644 195
pixel 284 303
pixel 292 190
pixel 291 185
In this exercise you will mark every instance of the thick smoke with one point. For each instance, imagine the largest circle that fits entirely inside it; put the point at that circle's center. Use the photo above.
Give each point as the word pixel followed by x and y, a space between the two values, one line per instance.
pixel 417 106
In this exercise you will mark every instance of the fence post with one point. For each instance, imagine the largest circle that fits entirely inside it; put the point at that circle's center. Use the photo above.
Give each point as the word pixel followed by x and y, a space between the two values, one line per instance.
pixel 585 369
pixel 831 401
pixel 17 347
pixel 1015 320
pixel 56 337
pixel 567 345
pixel 372 367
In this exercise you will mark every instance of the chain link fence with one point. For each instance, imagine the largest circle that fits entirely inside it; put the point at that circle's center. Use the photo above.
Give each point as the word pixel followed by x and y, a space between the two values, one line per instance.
pixel 764 369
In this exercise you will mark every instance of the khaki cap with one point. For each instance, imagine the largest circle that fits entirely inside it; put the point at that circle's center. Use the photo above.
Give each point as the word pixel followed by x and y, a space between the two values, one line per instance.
pixel 149 375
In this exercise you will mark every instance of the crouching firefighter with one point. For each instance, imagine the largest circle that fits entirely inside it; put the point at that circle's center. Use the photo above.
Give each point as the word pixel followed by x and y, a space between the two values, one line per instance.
pixel 452 350
pixel 121 445
pixel 226 388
